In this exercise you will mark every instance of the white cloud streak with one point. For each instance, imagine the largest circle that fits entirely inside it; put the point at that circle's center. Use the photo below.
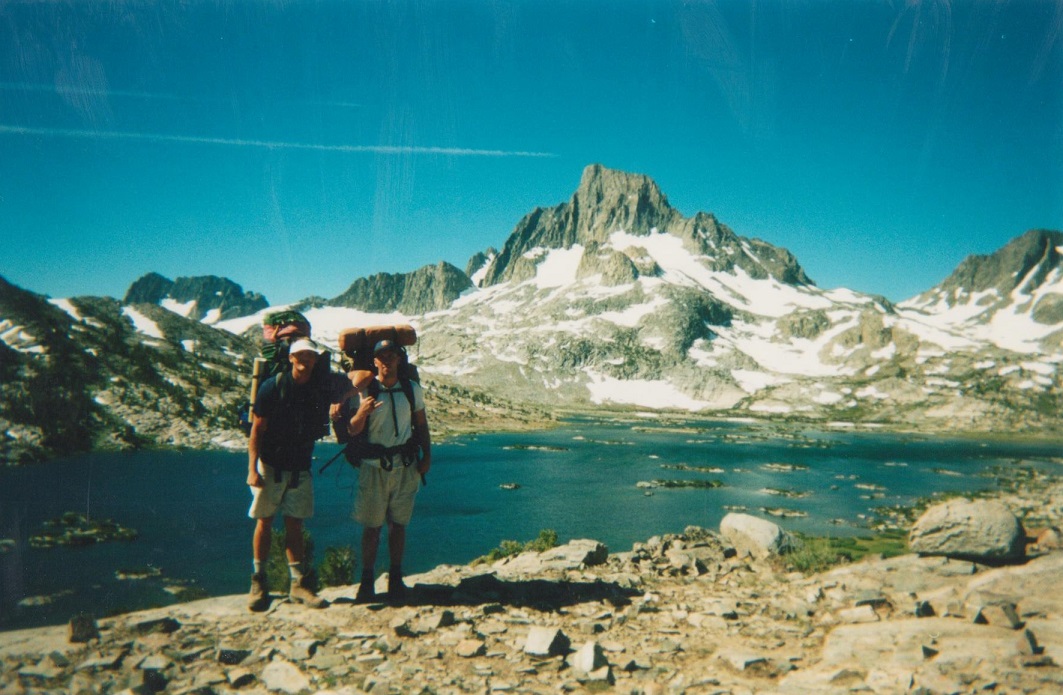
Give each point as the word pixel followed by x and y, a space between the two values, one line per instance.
pixel 266 144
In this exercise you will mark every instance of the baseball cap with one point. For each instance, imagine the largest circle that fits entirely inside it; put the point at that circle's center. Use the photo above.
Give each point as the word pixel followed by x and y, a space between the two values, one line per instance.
pixel 384 346
pixel 304 345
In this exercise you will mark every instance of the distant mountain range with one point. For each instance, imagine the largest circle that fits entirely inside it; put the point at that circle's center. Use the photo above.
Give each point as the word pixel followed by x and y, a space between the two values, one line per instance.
pixel 612 298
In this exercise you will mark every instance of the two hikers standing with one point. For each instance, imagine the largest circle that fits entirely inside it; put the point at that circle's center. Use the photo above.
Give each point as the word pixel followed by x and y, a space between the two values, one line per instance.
pixel 391 426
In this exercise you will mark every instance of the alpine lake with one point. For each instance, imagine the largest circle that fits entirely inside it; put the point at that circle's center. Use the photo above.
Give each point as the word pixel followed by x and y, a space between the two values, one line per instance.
pixel 618 480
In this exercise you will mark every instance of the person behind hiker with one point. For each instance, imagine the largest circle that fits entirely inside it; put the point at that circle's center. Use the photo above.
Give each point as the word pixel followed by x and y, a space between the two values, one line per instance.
pixel 279 454
pixel 388 484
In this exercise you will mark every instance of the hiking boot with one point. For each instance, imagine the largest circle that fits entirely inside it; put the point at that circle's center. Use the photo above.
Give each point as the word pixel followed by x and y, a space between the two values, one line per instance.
pixel 396 589
pixel 258 598
pixel 366 592
pixel 300 594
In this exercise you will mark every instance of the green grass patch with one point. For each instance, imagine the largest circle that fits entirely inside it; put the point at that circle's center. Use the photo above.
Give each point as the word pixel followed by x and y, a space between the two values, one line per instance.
pixel 817 554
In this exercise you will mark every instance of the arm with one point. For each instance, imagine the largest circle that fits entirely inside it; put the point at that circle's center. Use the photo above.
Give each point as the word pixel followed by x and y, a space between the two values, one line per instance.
pixel 424 439
pixel 361 416
pixel 258 427
pixel 336 406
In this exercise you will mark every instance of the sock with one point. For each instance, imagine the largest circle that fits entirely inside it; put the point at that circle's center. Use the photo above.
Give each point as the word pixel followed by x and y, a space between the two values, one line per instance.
pixel 258 567
pixel 395 571
pixel 293 570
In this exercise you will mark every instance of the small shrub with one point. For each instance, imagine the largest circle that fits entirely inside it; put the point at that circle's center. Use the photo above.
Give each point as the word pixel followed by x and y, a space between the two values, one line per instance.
pixel 814 555
pixel 337 567
pixel 547 539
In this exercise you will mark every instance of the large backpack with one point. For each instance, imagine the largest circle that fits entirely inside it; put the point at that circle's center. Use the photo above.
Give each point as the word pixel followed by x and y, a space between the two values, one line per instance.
pixel 357 345
pixel 279 330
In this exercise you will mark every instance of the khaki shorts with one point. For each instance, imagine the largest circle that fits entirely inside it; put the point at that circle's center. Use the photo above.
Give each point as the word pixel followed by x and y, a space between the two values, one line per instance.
pixel 385 495
pixel 273 496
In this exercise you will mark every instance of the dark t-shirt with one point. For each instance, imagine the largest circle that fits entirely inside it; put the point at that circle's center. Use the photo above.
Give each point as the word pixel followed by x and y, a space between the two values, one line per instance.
pixel 288 443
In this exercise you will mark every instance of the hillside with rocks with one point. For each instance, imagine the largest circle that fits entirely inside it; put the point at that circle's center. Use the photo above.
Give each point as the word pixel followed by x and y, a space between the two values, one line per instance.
pixel 88 372
pixel 701 612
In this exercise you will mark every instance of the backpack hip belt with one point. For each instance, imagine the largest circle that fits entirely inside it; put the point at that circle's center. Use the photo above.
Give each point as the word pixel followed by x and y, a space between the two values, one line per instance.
pixel 386 454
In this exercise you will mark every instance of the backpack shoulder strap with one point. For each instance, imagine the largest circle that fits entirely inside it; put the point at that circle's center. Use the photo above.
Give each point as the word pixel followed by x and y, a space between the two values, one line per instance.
pixel 407 390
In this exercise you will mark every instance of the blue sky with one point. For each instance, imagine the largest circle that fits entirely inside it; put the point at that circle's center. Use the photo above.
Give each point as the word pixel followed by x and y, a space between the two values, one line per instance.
pixel 295 146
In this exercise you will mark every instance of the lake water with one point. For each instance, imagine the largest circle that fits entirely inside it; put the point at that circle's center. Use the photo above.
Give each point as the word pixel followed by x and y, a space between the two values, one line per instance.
pixel 580 480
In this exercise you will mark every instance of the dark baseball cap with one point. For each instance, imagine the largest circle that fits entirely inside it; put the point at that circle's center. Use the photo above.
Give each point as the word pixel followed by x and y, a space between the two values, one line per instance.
pixel 384 346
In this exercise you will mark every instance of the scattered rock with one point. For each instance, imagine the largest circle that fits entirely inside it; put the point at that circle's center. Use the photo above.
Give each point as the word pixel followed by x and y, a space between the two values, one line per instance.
pixel 754 536
pixel 469 648
pixel 545 642
pixel 980 530
pixel 588 658
pixel 83 628
pixel 285 677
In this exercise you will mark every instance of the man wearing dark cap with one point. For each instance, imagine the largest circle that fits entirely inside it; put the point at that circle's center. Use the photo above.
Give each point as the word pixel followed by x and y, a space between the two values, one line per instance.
pixel 280 449
pixel 392 411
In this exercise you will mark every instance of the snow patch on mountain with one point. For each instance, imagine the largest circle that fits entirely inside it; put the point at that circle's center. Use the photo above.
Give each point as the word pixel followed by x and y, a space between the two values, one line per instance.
pixel 142 324
pixel 18 338
pixel 67 306
pixel 181 308
pixel 559 267
pixel 752 381
pixel 641 392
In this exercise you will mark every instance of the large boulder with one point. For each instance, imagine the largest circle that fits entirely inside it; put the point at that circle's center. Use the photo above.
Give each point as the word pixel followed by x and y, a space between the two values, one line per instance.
pixel 982 531
pixel 754 536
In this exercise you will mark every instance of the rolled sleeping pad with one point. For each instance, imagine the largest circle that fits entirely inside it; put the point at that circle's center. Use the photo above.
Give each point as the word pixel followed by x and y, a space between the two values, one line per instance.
pixel 358 343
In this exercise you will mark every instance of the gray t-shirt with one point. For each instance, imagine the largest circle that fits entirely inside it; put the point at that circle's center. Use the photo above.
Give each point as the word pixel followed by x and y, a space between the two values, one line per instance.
pixel 390 423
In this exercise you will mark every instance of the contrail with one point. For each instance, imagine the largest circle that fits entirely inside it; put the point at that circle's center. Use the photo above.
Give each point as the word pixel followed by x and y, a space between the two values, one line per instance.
pixel 267 144
pixel 65 89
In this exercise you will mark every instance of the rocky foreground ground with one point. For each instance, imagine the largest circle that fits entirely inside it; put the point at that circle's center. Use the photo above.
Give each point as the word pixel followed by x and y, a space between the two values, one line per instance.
pixel 678 613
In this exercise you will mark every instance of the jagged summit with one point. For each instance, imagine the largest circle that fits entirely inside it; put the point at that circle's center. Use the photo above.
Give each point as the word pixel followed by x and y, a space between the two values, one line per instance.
pixel 608 201
pixel 208 297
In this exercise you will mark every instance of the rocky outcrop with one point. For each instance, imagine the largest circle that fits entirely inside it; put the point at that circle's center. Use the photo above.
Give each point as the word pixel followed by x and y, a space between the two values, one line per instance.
pixel 211 297
pixel 678 613
pixel 426 289
pixel 980 530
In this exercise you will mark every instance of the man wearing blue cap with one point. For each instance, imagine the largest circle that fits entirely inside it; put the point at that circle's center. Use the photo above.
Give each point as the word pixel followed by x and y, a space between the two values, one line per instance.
pixel 392 411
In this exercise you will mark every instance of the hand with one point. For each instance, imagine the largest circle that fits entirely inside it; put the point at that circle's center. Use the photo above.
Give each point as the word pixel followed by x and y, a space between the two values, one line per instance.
pixel 254 479
pixel 368 404
pixel 334 410
pixel 424 464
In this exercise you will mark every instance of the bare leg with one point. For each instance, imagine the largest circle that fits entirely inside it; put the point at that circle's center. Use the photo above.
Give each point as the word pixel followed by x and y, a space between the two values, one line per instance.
pixel 293 539
pixel 396 543
pixel 370 545
pixel 263 536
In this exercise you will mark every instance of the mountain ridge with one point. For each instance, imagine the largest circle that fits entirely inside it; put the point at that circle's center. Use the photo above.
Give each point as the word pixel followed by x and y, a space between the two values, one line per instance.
pixel 206 298
pixel 689 316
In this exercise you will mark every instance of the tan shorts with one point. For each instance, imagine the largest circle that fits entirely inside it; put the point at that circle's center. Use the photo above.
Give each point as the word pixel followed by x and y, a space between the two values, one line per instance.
pixel 385 495
pixel 273 496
